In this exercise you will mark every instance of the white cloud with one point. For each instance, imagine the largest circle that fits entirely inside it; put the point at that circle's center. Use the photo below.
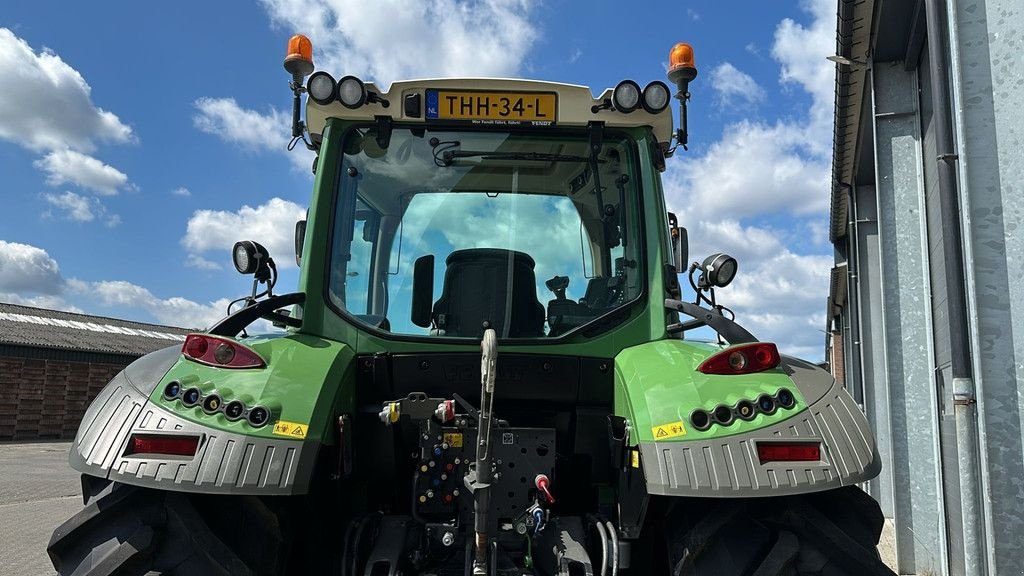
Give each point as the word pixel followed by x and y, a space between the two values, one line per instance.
pixel 755 169
pixel 801 52
pixel 74 206
pixel 735 87
pixel 70 167
pixel 29 269
pixel 182 192
pixel 398 40
pixel 175 311
pixel 252 130
pixel 693 14
pixel 44 301
pixel 78 208
pixel 575 56
pixel 46 104
pixel 271 224
pixel 194 261
pixel 223 117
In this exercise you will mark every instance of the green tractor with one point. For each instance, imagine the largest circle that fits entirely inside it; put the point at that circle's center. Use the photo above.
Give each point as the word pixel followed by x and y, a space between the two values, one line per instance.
pixel 484 370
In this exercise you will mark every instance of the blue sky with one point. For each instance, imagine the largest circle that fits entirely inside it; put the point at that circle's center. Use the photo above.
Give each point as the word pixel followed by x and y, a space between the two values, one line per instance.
pixel 138 140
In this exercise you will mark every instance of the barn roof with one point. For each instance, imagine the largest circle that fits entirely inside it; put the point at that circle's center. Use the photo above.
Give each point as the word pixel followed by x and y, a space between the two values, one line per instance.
pixel 54 329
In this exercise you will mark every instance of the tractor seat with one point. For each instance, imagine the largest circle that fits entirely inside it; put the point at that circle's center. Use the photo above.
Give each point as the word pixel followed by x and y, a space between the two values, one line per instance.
pixel 479 283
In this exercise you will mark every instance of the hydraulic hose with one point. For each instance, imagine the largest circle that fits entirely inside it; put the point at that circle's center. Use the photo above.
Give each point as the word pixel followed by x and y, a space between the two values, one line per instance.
pixel 614 537
pixel 604 543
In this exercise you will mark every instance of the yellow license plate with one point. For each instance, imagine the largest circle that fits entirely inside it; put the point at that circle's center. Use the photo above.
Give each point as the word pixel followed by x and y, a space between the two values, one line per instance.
pixel 482 107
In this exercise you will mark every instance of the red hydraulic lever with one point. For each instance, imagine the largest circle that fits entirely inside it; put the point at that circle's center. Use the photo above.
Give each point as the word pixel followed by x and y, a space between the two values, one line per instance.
pixel 543 484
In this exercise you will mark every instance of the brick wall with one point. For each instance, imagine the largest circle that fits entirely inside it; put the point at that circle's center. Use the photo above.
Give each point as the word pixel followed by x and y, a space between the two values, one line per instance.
pixel 45 398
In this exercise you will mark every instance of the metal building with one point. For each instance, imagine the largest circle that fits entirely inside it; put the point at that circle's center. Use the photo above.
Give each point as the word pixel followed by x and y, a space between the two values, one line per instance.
pixel 926 310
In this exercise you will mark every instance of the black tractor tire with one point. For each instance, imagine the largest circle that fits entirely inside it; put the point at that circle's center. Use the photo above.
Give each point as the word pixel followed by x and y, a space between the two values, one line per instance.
pixel 127 530
pixel 831 533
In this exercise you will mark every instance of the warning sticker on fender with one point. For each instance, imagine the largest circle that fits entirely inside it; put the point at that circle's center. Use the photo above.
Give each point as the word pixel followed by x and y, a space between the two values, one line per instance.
pixel 670 430
pixel 290 429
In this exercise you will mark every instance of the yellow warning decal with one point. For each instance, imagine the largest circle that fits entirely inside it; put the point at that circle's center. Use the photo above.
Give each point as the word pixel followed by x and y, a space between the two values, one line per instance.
pixel 670 430
pixel 453 439
pixel 290 429
pixel 634 458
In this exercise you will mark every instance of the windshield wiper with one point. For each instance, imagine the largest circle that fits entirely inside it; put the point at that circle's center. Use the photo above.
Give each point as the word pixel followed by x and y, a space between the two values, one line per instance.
pixel 449 156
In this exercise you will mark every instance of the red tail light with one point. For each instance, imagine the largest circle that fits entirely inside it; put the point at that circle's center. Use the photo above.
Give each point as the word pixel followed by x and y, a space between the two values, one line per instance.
pixel 165 445
pixel 220 352
pixel 742 359
pixel 788 451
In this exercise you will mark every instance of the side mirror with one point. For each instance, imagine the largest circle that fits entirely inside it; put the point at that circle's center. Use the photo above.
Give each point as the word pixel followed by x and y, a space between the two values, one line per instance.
pixel 423 290
pixel 300 238
pixel 680 244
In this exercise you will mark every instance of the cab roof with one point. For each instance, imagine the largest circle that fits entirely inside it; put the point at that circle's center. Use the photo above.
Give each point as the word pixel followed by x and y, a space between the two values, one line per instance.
pixel 575 105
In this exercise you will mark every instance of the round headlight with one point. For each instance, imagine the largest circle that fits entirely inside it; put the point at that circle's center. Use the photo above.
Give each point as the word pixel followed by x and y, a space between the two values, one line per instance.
pixel 720 269
pixel 351 92
pixel 322 88
pixel 626 96
pixel 656 97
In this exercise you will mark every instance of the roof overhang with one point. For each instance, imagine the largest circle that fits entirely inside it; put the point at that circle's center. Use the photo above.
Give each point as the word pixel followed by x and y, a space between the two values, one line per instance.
pixel 854 38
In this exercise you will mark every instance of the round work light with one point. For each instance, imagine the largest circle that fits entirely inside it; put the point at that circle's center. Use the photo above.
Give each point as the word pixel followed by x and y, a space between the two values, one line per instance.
pixel 719 269
pixel 322 88
pixel 351 92
pixel 248 255
pixel 626 96
pixel 656 97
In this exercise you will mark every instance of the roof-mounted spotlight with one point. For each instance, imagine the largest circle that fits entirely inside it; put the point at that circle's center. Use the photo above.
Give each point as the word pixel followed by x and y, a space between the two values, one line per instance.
pixel 626 96
pixel 322 88
pixel 656 97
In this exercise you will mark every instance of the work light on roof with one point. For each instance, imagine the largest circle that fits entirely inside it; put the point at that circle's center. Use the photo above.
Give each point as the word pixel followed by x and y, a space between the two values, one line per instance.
pixel 351 92
pixel 322 88
pixel 656 97
pixel 626 96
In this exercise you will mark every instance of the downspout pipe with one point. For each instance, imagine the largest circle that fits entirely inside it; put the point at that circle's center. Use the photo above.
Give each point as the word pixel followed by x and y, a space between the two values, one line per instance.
pixel 964 396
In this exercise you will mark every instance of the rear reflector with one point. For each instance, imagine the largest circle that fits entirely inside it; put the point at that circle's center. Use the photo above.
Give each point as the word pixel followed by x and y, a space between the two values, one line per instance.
pixel 162 445
pixel 788 451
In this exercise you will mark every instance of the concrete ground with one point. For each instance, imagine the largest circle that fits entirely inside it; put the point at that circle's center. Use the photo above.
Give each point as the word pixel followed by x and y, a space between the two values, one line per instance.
pixel 38 491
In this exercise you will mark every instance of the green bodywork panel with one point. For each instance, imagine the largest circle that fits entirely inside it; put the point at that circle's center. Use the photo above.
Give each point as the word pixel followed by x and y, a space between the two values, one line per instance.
pixel 658 383
pixel 306 380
